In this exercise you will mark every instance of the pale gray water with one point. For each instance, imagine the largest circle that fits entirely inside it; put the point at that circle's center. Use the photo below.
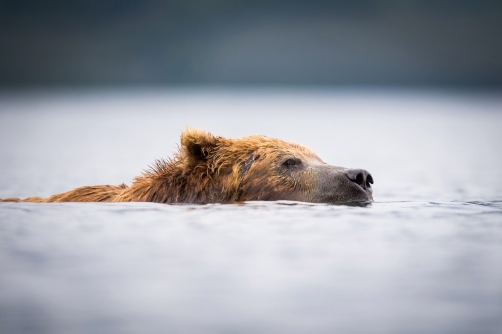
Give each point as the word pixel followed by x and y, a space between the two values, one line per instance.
pixel 426 257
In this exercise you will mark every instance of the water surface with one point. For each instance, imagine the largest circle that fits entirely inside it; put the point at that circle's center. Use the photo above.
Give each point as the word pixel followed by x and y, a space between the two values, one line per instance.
pixel 426 257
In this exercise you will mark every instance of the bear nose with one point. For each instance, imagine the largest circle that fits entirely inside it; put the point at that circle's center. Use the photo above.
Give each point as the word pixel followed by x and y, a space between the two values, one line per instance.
pixel 360 177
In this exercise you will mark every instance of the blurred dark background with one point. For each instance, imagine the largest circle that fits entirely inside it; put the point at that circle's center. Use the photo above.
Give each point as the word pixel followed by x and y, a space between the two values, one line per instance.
pixel 273 42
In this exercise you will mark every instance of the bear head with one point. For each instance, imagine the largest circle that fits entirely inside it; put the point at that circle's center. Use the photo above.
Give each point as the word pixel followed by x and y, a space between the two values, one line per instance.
pixel 210 169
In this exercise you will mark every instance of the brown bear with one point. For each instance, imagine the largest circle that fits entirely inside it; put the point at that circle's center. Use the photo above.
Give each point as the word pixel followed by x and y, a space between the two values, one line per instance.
pixel 209 169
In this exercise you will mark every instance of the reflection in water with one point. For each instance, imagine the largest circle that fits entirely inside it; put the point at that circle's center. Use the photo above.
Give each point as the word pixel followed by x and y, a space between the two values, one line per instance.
pixel 424 258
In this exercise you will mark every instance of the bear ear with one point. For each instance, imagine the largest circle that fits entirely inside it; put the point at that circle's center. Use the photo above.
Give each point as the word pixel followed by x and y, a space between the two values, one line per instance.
pixel 197 144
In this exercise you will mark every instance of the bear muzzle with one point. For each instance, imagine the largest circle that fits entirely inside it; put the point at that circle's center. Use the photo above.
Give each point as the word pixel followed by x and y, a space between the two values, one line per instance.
pixel 340 185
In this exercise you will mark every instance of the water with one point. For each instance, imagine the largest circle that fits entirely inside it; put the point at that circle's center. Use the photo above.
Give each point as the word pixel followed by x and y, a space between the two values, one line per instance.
pixel 426 257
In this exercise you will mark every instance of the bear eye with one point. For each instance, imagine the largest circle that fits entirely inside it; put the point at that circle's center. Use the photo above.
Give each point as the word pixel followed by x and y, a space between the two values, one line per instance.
pixel 292 163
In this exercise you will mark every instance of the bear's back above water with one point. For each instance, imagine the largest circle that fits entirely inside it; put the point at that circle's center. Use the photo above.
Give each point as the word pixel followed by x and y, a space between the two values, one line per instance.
pixel 210 169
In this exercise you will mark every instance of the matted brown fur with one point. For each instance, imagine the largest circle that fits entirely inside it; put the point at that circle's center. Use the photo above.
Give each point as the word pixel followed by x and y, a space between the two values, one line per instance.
pixel 206 169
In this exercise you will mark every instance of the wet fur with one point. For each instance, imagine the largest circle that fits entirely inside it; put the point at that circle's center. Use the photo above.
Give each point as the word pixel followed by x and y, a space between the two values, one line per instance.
pixel 206 169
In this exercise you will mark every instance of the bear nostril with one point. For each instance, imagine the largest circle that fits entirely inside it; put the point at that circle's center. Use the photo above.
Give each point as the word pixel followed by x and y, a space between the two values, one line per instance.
pixel 360 177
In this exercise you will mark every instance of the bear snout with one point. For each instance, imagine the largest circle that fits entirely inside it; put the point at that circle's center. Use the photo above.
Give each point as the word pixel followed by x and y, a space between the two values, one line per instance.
pixel 360 177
